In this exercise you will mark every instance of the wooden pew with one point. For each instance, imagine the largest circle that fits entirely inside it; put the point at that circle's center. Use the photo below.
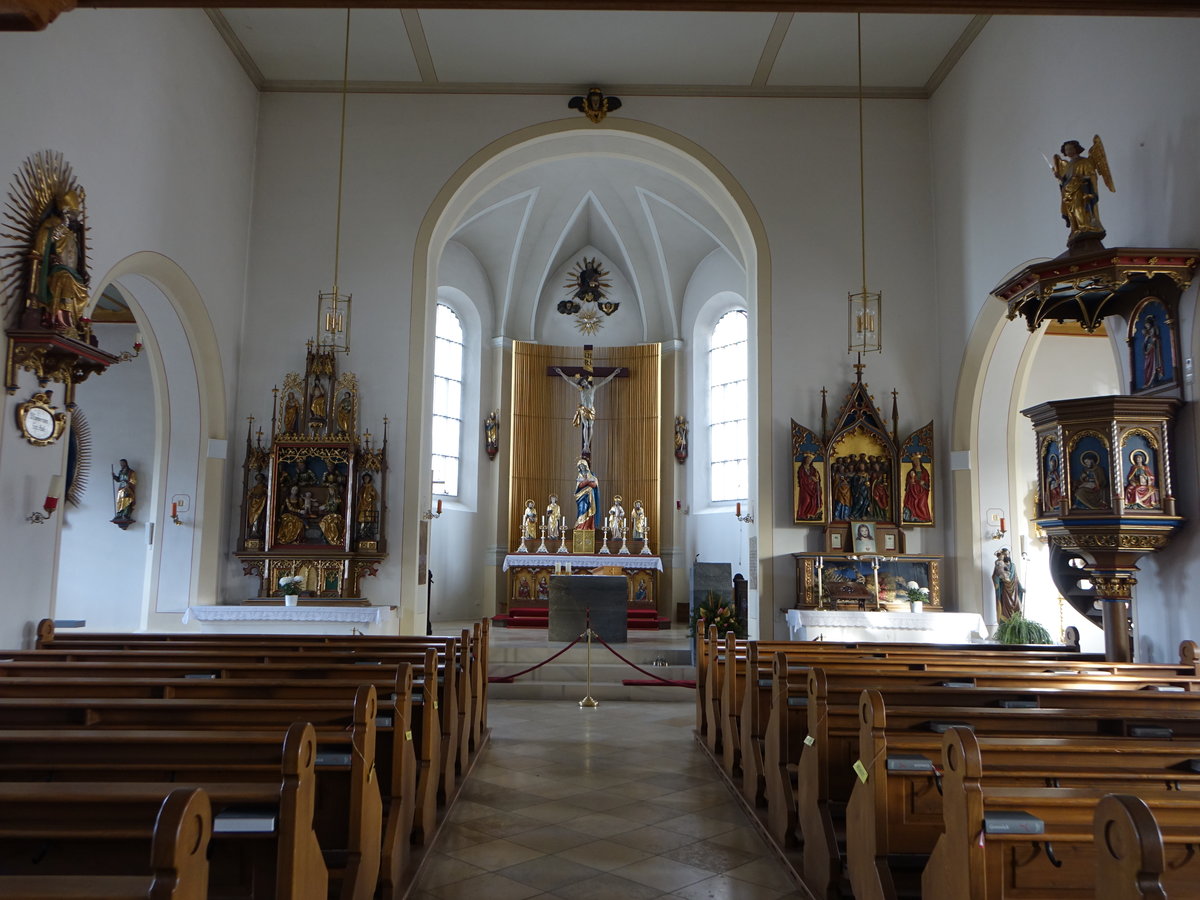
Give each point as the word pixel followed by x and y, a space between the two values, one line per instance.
pixel 895 814
pixel 743 693
pixel 411 731
pixel 971 863
pixel 169 836
pixel 262 769
pixel 201 666
pixel 348 801
pixel 472 645
pixel 251 659
pixel 1130 858
pixel 788 719
pixel 825 777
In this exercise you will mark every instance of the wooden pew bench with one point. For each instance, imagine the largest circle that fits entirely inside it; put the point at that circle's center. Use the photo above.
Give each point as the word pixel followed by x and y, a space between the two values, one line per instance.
pixel 971 863
pixel 103 842
pixel 789 720
pixel 274 856
pixel 408 784
pixel 201 668
pixel 472 647
pixel 348 801
pixel 825 777
pixel 1130 856
pixel 895 815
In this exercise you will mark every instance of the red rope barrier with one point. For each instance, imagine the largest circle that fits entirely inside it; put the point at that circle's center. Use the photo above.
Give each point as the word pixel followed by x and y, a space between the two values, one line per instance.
pixel 632 665
pixel 507 678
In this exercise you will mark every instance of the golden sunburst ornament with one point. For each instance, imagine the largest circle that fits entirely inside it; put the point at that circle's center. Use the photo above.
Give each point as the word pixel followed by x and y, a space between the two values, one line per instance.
pixel 589 295
pixel 589 321
pixel 45 181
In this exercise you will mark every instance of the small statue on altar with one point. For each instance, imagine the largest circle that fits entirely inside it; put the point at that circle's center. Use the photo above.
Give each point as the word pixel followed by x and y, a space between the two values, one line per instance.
pixel 615 520
pixel 639 521
pixel 1010 593
pixel 587 497
pixel 553 518
pixel 256 505
pixel 529 522
pixel 367 507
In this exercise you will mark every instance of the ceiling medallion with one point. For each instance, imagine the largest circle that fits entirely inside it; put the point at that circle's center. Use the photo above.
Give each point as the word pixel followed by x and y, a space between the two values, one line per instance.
pixel 588 297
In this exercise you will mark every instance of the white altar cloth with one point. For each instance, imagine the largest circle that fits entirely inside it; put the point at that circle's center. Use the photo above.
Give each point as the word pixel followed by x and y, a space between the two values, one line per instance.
pixel 582 561
pixel 924 628
pixel 293 619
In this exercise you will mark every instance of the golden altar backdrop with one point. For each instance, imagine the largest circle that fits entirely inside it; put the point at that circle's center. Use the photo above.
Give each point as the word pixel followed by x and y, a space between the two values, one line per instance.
pixel 626 443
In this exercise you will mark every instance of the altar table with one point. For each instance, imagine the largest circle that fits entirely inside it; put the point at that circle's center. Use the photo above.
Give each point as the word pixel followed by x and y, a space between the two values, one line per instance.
pixel 294 619
pixel 529 575
pixel 910 627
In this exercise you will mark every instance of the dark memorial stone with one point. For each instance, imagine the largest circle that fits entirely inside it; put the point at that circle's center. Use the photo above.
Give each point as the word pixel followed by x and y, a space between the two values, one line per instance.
pixel 571 596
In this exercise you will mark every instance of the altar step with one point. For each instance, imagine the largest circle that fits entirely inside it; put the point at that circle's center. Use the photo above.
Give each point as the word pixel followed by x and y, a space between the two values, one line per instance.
pixel 535 617
pixel 566 677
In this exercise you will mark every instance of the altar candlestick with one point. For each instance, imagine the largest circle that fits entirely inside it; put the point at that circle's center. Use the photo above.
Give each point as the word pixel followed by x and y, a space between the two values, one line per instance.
pixel 439 508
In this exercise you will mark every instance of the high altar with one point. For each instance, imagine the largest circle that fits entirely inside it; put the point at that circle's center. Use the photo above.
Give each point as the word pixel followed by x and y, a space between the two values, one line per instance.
pixel 623 455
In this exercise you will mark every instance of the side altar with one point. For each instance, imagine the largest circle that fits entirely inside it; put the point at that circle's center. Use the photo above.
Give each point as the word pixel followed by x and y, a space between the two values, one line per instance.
pixel 313 495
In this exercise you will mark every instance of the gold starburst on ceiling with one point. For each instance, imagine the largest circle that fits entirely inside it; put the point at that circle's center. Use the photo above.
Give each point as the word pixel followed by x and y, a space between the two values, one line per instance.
pixel 588 321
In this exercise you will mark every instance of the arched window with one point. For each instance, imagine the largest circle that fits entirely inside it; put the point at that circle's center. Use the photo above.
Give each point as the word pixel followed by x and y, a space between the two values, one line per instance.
pixel 447 401
pixel 728 408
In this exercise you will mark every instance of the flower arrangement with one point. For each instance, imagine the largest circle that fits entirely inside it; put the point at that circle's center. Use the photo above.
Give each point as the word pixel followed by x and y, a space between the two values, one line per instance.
pixel 290 584
pixel 716 610
pixel 915 593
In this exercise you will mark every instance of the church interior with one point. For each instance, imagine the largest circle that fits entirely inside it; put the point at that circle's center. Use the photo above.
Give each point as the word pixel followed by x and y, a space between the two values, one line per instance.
pixel 807 291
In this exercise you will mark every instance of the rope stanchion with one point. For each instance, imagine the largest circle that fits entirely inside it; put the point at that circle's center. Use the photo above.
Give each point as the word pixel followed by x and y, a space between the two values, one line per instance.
pixel 505 679
pixel 587 702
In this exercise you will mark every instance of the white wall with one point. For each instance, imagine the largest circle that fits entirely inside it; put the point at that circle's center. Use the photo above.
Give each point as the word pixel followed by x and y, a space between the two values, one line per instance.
pixel 1025 86
pixel 158 121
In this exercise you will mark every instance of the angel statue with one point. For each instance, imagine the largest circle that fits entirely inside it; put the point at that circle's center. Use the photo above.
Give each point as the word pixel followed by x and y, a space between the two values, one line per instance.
pixel 1077 181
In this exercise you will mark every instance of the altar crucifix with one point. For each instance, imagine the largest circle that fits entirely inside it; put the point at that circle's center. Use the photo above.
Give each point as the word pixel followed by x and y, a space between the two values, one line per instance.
pixel 583 379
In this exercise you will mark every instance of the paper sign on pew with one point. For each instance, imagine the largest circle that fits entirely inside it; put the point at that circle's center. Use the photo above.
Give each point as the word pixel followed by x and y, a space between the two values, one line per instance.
pixel 245 820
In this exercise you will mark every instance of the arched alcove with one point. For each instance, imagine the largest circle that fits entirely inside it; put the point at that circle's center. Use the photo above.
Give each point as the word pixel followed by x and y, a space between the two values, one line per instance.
pixel 188 455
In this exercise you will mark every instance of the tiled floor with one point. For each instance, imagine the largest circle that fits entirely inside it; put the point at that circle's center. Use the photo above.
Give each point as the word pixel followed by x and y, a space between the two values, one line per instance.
pixel 612 802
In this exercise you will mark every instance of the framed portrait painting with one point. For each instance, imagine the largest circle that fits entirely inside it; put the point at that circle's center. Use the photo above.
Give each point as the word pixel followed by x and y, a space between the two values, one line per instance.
pixel 863 534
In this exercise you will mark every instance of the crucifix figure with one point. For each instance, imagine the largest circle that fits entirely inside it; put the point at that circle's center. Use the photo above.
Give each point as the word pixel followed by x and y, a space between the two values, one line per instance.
pixel 583 379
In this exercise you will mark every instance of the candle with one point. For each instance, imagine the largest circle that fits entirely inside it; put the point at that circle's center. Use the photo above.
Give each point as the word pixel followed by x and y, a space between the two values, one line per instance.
pixel 1002 528
pixel 739 511
pixel 174 509
pixel 820 566
pixel 439 508
pixel 56 487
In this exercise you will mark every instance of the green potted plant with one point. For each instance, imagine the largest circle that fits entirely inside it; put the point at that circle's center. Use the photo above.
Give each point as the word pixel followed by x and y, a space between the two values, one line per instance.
pixel 1017 629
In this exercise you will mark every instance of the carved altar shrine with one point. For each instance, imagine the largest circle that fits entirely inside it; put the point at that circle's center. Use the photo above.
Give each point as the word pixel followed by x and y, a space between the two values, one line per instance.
pixel 313 496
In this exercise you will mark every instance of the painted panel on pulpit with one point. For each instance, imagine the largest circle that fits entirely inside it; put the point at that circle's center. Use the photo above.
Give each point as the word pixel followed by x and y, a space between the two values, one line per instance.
pixel 808 476
pixel 1089 467
pixel 1140 470
pixel 1152 341
pixel 1051 488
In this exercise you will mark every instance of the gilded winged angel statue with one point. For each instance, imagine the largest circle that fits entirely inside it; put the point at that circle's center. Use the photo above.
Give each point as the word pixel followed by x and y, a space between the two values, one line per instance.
pixel 1077 181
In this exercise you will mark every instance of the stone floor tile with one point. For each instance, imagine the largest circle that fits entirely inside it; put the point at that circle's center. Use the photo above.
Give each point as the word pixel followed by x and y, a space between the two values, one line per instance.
pixel 604 855
pixel 549 873
pixel 662 873
pixel 489 885
pixel 495 855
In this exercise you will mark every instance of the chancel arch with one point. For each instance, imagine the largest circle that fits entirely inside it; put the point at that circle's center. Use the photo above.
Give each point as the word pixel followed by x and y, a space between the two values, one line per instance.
pixel 553 161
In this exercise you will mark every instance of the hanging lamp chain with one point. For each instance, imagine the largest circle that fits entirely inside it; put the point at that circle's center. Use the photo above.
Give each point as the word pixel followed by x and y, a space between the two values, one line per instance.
pixel 337 240
pixel 862 189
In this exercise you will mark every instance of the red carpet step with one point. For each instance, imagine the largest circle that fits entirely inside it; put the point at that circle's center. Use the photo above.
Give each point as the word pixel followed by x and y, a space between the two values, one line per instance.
pixel 535 617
